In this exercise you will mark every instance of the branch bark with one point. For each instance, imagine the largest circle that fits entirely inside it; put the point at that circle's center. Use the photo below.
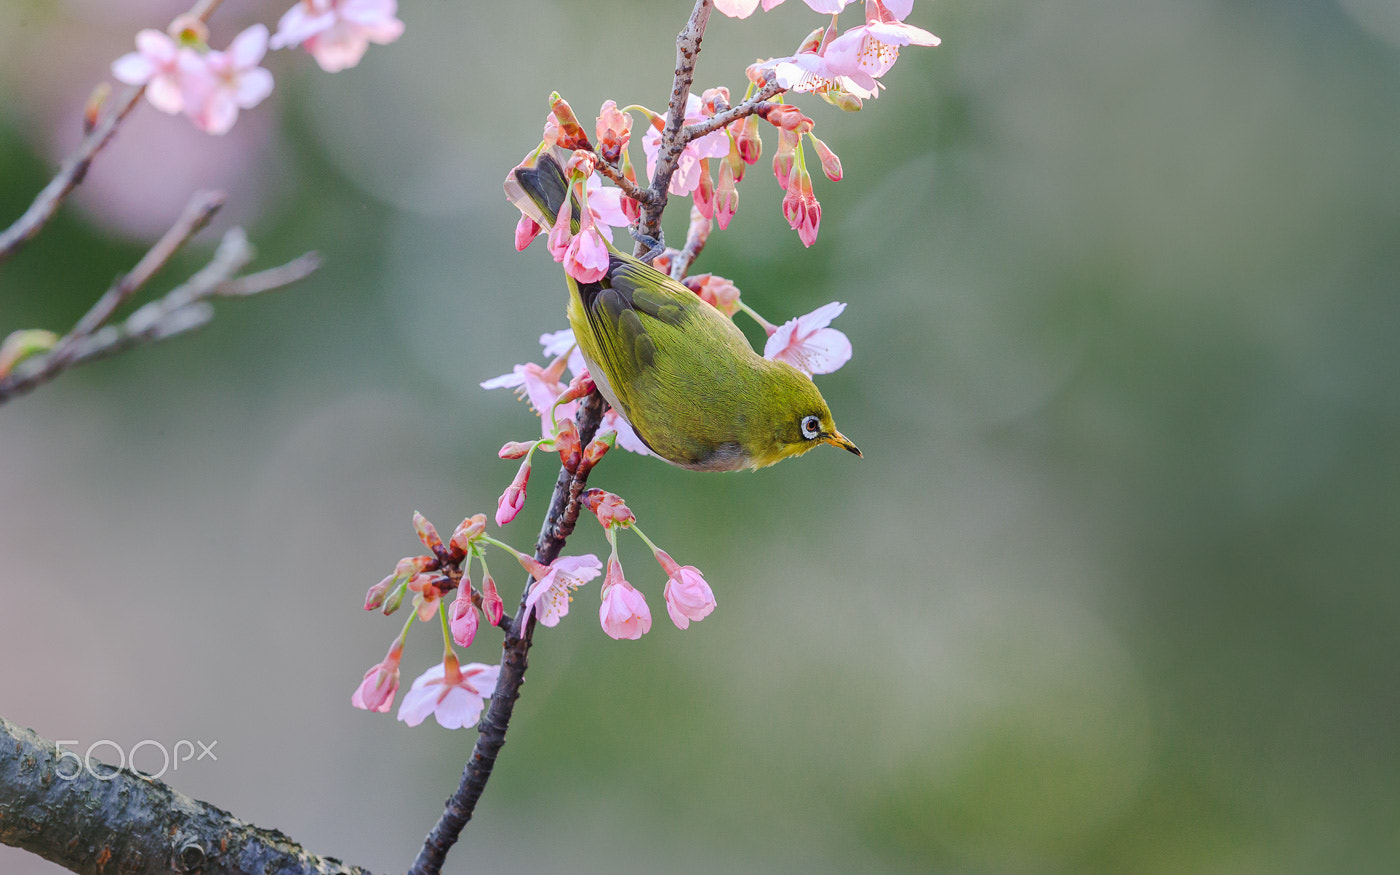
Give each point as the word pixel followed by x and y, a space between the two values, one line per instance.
pixel 124 822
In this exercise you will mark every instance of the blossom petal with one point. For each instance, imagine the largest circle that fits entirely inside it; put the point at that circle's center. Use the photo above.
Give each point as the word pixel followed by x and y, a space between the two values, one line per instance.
pixel 737 8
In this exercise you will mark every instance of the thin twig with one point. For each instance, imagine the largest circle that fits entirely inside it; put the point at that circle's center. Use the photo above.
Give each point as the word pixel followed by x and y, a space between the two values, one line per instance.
pixel 754 104
pixel 558 525
pixel 695 239
pixel 183 309
pixel 687 51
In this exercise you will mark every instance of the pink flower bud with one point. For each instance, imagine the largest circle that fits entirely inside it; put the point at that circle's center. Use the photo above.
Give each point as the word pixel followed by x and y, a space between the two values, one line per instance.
pixel 726 196
pixel 596 449
pixel 842 100
pixel 714 101
pixel 427 533
pixel 688 597
pixel 786 116
pixel 411 565
pixel 614 129
pixel 491 602
pixel 467 532
pixel 716 291
pixel 624 613
pixel 748 141
pixel 571 133
pixel 393 600
pixel 610 509
pixel 526 230
pixel 580 386
pixel 375 597
pixel 813 42
pixel 831 165
pixel 516 449
pixel 561 233
pixel 705 193
pixel 785 157
pixel 513 499
pixel 566 442
pixel 381 682
pixel 462 619
pixel 580 163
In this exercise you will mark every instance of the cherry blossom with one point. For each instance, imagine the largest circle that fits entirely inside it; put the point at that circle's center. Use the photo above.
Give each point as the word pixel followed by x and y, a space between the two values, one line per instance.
pixel 155 64
pixel 549 596
pixel 872 48
pixel 462 619
pixel 338 32
pixel 216 85
pixel 453 694
pixel 808 344
pixel 624 612
pixel 513 499
pixel 687 176
pixel 376 691
pixel 745 8
pixel 688 596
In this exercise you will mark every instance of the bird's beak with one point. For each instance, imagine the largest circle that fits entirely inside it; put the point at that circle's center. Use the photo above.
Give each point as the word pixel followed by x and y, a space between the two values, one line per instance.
pixel 838 439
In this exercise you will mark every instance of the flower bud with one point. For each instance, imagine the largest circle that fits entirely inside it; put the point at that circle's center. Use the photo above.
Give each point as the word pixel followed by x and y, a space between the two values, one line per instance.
pixel 513 499
pixel 614 129
pixel 831 165
pixel 580 386
pixel 375 597
pixel 714 101
pixel 526 230
pixel 491 603
pixel 784 158
pixel 705 193
pixel 726 195
pixel 571 133
pixel 411 565
pixel 748 141
pixel 516 449
pixel 92 110
pixel 842 100
pixel 467 532
pixel 461 617
pixel 427 533
pixel 610 509
pixel 813 42
pixel 596 449
pixel 394 599
pixel 566 443
pixel 786 116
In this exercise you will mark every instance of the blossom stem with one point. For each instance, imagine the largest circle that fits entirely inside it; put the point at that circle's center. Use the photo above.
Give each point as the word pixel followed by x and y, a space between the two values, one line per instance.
pixel 767 326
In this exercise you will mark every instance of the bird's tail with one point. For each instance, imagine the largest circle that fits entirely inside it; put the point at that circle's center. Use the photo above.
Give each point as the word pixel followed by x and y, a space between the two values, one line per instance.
pixel 539 190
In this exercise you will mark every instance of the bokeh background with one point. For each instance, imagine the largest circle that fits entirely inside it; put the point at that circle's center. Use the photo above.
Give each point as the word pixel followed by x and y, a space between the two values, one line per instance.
pixel 1114 589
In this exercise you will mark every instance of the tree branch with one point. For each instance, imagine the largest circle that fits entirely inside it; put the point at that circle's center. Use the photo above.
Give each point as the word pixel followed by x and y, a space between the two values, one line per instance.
pixel 183 309
pixel 558 525
pixel 125 822
pixel 687 50
pixel 754 104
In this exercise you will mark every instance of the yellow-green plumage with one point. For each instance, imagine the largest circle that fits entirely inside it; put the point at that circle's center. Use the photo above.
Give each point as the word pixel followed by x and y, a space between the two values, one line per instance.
pixel 679 371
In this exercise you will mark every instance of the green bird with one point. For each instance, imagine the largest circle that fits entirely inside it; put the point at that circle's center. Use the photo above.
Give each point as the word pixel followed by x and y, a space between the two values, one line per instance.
pixel 678 370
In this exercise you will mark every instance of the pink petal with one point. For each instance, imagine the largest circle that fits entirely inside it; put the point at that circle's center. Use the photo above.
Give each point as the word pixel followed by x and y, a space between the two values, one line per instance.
pixel 829 7
pixel 218 114
pixel 133 68
pixel 248 48
pixel 156 46
pixel 253 87
pixel 900 9
pixel 165 94
pixel 457 709
pixel 298 25
pixel 737 8
pixel 418 703
pixel 339 48
pixel 606 206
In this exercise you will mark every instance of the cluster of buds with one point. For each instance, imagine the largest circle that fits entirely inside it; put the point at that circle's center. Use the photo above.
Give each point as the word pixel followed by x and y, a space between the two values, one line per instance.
pixel 183 74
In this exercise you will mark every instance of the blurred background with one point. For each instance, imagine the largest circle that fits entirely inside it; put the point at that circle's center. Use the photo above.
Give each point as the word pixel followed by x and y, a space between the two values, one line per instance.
pixel 1114 589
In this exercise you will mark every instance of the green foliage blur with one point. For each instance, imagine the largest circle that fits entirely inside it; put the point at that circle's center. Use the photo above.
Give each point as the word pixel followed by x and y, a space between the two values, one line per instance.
pixel 1114 589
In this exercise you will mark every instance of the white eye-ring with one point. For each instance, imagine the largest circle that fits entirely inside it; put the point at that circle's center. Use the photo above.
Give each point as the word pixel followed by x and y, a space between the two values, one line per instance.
pixel 811 427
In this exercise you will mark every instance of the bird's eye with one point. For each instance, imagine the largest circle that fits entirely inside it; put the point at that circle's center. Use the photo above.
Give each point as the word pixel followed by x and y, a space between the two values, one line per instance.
pixel 811 427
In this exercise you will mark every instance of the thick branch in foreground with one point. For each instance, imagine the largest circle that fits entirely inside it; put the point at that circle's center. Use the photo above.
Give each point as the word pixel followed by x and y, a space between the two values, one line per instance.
pixel 51 805
pixel 558 525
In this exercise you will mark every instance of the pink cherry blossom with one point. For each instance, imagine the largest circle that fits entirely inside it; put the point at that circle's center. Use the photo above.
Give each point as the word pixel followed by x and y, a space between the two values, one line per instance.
pixel 745 8
pixel 688 596
pixel 454 695
pixel 808 344
pixel 549 596
pixel 338 32
pixel 556 343
pixel 513 499
pixel 216 85
pixel 461 617
pixel 687 176
pixel 626 435
pixel 376 691
pixel 539 384
pixel 586 258
pixel 428 594
pixel 624 612
pixel 155 64
pixel 872 48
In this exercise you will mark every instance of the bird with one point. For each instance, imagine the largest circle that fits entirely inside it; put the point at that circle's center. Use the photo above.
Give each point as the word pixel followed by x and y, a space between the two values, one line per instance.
pixel 678 370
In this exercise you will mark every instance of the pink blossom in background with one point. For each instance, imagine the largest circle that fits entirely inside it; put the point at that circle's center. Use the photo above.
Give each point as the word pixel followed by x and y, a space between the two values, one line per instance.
pixel 216 85
pixel 687 176
pixel 376 691
pixel 808 344
pixel 155 64
pixel 624 613
pixel 550 595
pixel 337 33
pixel 745 8
pixel 454 695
